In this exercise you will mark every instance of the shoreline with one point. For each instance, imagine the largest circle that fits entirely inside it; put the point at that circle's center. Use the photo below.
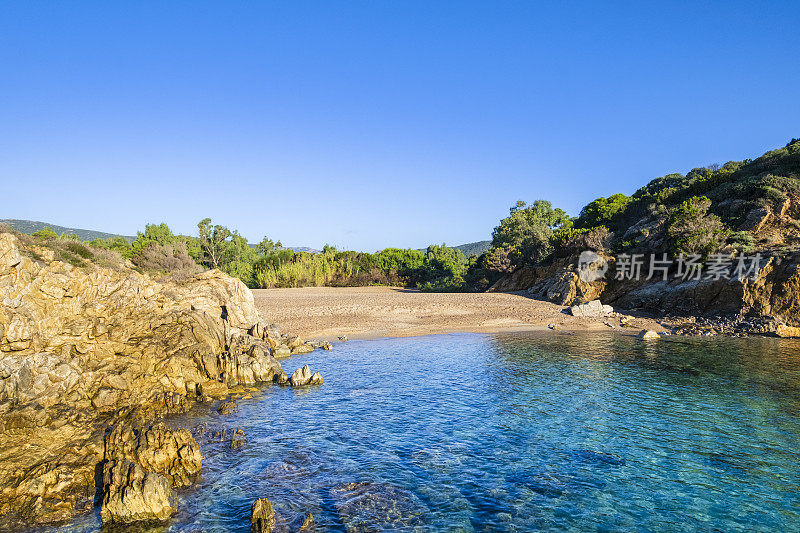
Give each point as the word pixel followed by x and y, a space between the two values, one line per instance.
pixel 364 313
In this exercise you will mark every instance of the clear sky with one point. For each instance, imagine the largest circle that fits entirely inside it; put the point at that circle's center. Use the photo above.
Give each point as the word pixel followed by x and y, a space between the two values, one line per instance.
pixel 373 124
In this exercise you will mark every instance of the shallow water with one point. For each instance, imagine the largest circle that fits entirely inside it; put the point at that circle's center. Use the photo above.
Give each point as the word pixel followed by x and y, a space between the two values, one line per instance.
pixel 516 432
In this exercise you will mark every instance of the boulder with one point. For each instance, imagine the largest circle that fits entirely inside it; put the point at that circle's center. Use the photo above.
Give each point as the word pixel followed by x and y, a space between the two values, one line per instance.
pixel 282 351
pixel 132 494
pixel 591 309
pixel 303 376
pixel 262 516
pixel 303 349
pixel 647 334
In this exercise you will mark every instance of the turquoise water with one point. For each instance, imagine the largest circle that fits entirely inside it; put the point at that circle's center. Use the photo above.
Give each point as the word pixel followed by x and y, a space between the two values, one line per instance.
pixel 517 432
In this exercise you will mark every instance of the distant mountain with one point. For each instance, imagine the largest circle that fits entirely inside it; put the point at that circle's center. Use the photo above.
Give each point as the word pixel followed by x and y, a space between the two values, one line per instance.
pixel 471 248
pixel 474 248
pixel 32 226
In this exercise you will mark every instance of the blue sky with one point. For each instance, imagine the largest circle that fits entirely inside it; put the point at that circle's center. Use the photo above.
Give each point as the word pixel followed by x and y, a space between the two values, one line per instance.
pixel 374 124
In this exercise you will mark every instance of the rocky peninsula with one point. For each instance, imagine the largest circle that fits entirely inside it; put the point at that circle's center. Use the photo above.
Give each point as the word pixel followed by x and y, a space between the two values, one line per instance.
pixel 92 358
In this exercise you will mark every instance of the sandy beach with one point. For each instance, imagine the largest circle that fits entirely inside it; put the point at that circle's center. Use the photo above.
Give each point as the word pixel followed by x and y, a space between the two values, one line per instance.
pixel 370 312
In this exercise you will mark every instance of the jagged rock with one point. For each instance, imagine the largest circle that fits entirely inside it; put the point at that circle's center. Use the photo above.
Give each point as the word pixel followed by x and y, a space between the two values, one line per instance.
pixel 308 524
pixel 78 346
pixel 132 494
pixel 591 309
pixel 238 439
pixel 303 376
pixel 171 453
pixel 649 335
pixel 262 516
pixel 281 379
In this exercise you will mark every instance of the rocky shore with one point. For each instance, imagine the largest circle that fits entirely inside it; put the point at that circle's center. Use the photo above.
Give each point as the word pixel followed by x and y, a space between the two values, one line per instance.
pixel 92 358
pixel 768 304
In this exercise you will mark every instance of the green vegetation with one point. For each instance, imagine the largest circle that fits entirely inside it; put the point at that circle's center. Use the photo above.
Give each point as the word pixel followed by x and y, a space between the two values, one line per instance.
pixel 713 208
pixel 694 230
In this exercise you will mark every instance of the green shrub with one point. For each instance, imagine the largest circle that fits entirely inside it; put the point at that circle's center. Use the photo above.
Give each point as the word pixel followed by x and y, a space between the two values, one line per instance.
pixel 45 234
pixel 694 230
pixel 79 250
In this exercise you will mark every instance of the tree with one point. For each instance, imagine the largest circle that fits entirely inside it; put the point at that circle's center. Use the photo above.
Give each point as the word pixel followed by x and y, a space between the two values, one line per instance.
pixel 527 231
pixel 601 212
pixel 267 246
pixel 159 234
pixel 212 242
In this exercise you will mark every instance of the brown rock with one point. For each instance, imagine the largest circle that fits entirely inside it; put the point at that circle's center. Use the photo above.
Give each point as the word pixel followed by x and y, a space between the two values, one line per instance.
pixel 787 331
pixel 262 516
pixel 132 494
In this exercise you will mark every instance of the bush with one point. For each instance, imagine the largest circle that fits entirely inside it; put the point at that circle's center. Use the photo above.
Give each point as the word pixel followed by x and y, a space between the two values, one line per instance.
pixel 170 259
pixel 79 250
pixel 693 230
pixel 603 211
pixel 45 234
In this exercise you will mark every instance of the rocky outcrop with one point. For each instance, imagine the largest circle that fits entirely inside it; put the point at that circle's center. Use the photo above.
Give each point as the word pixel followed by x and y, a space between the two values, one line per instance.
pixel 83 348
pixel 173 454
pixel 303 376
pixel 262 516
pixel 132 494
pixel 774 294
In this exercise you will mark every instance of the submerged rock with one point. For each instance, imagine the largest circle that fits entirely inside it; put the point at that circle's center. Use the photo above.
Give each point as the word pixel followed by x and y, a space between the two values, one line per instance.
pixel 228 407
pixel 376 507
pixel 132 494
pixel 262 516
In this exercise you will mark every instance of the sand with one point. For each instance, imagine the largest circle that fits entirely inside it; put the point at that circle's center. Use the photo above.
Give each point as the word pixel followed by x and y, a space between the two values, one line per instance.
pixel 371 312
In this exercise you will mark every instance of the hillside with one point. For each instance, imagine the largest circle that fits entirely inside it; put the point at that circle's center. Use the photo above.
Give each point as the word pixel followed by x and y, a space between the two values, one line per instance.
pixel 31 226
pixel 474 248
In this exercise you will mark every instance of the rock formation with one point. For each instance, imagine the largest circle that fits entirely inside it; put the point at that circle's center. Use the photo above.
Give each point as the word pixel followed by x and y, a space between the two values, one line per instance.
pixel 303 376
pixel 773 295
pixel 262 516
pixel 90 348
pixel 133 494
